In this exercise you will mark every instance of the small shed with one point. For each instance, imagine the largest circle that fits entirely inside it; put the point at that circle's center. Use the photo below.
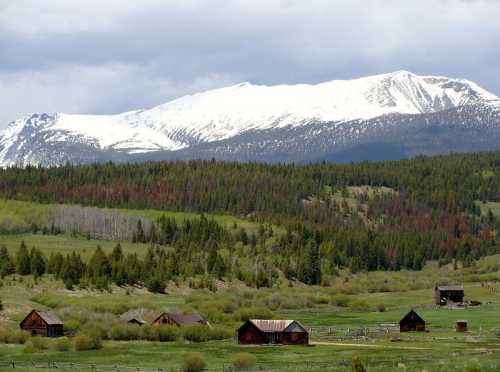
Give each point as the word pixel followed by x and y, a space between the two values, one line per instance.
pixel 461 325
pixel 179 320
pixel 445 293
pixel 258 331
pixel 42 323
pixel 412 322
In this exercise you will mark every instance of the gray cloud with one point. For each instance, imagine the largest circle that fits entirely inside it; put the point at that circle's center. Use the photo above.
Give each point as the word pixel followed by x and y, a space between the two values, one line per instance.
pixel 102 57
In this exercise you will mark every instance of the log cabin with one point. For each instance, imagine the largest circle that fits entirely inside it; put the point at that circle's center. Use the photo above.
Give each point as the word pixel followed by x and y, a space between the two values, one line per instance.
pixel 42 323
pixel 412 322
pixel 258 331
pixel 179 320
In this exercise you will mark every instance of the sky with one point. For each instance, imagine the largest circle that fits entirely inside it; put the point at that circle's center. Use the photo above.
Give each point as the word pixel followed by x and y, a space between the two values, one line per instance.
pixel 101 57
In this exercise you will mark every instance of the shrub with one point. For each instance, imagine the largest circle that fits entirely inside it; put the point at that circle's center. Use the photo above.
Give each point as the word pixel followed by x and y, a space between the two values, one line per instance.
pixel 260 312
pixel 357 365
pixel 13 337
pixel 243 360
pixel 149 333
pixel 196 333
pixel 340 300
pixel 71 326
pixel 35 345
pixel 87 341
pixel 359 305
pixel 155 285
pixel 1 305
pixel 61 344
pixel 124 332
pixel 381 308
pixel 221 333
pixel 193 362
pixel 29 348
pixel 167 333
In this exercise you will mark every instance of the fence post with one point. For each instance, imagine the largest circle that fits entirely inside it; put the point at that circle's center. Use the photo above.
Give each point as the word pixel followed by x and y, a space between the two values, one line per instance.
pixel 13 364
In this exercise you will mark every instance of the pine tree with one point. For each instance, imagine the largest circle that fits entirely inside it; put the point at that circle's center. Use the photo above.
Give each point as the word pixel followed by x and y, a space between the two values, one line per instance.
pixel 23 260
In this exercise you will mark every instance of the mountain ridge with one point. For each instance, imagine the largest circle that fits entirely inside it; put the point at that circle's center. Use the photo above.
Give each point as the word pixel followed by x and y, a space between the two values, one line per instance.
pixel 345 110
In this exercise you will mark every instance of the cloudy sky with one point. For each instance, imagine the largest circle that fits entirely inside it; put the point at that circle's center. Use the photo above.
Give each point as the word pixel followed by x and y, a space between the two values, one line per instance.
pixel 94 56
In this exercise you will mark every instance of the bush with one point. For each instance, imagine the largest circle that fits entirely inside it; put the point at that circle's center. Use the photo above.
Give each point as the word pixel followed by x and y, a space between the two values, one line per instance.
pixel 13 337
pixel 243 360
pixel 155 285
pixel 124 332
pixel 196 333
pixel 357 365
pixel 359 305
pixel 167 333
pixel 149 333
pixel 340 300
pixel 87 341
pixel 35 345
pixel 193 362
pixel 245 314
pixel 61 344
pixel 71 326
pixel 381 308
pixel 221 333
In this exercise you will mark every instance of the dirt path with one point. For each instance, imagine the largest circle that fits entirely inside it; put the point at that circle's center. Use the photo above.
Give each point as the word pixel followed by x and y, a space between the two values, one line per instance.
pixel 369 345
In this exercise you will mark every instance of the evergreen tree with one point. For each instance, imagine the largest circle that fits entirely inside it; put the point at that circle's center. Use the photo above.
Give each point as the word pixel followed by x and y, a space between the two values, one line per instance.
pixel 23 260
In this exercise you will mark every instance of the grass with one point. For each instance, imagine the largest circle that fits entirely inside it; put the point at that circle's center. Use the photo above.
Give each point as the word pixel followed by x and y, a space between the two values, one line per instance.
pixel 441 349
pixel 360 294
pixel 18 216
pixel 65 244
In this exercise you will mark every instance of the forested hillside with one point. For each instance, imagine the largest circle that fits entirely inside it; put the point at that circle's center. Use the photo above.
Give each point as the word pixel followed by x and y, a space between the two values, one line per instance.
pixel 366 216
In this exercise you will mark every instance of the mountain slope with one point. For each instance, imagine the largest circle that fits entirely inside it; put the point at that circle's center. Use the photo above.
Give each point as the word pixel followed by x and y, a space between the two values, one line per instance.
pixel 277 123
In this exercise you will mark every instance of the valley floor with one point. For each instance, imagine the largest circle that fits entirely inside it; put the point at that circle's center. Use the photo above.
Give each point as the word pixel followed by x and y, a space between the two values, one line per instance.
pixel 338 334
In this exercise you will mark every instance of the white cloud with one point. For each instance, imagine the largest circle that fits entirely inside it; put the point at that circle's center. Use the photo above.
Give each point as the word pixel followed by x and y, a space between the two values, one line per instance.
pixel 108 56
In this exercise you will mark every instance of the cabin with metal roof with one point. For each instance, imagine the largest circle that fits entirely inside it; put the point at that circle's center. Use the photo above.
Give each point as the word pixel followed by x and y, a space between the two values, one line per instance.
pixel 179 320
pixel 412 322
pixel 259 331
pixel 42 323
pixel 448 293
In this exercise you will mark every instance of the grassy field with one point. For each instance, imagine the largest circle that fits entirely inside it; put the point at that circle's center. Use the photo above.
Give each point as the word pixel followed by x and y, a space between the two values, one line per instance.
pixel 333 343
pixel 19 215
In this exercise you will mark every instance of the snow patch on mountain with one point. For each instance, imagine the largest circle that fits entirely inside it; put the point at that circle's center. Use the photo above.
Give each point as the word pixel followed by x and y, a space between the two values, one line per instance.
pixel 224 113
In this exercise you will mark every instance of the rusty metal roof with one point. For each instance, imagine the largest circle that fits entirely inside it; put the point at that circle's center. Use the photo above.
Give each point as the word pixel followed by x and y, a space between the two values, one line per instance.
pixel 273 325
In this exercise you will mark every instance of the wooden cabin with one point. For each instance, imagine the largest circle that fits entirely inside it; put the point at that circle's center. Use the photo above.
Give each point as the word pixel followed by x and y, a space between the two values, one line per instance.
pixel 461 326
pixel 42 323
pixel 179 320
pixel 445 293
pixel 258 331
pixel 412 322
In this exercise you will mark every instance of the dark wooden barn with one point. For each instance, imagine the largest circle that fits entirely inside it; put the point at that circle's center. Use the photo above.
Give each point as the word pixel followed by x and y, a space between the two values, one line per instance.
pixel 445 293
pixel 42 323
pixel 288 332
pixel 412 322
pixel 179 320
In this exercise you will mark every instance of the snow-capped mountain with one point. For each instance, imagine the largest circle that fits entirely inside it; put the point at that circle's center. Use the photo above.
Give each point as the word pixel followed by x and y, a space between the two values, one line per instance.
pixel 339 120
